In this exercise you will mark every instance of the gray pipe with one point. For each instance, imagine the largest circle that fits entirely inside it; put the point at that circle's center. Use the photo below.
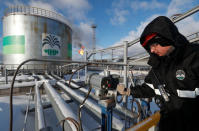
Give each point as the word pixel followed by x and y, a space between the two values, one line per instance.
pixel 125 100
pixel 90 104
pixel 39 114
pixel 17 85
pixel 118 107
pixel 86 68
pixel 62 110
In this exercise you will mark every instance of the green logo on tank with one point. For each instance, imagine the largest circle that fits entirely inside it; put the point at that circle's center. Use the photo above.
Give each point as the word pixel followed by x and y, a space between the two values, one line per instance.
pixel 50 45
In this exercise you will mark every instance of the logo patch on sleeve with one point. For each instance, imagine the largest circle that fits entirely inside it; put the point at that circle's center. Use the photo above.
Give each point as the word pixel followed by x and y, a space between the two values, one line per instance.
pixel 180 74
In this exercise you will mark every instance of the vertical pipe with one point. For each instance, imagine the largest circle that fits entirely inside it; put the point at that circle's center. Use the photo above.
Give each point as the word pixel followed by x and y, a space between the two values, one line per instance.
pixel 107 72
pixel 60 74
pixel 57 70
pixel 101 55
pixel 6 76
pixel 78 73
pixel 125 99
pixel 1 70
pixel 125 62
pixel 86 68
pixel 94 39
pixel 112 54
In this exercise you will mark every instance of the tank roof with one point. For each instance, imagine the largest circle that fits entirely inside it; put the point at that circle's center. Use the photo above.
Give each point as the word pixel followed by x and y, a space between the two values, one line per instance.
pixel 28 10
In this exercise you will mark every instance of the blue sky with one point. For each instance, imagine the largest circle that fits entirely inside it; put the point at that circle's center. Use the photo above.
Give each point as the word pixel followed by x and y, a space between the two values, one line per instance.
pixel 116 20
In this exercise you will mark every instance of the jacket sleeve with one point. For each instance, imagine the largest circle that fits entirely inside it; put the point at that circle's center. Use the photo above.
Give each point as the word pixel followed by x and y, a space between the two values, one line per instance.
pixel 143 91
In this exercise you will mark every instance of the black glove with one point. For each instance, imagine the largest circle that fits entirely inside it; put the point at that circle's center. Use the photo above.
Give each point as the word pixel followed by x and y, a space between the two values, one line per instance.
pixel 135 91
pixel 142 91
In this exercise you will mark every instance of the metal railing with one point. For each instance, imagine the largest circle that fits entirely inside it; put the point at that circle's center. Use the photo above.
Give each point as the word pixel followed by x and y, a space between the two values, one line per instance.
pixel 21 9
pixel 193 37
pixel 174 19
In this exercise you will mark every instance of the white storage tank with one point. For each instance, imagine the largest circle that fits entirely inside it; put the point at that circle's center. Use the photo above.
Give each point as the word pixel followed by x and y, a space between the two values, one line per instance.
pixel 30 32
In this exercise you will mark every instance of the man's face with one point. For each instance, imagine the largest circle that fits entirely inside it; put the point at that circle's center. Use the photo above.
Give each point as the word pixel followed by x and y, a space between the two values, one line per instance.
pixel 160 50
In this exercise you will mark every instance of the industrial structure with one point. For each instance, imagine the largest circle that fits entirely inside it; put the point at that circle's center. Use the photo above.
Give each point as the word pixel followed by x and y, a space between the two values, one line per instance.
pixel 42 59
pixel 30 32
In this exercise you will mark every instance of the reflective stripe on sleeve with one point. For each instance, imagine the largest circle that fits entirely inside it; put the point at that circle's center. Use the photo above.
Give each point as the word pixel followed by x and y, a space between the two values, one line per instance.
pixel 188 94
pixel 181 93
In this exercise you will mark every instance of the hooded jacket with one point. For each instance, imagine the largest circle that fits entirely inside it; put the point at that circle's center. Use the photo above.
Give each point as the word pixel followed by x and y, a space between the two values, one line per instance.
pixel 164 27
pixel 178 72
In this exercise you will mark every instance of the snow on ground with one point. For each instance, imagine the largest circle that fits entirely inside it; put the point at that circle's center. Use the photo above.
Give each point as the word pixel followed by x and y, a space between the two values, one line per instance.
pixel 18 117
pixel 19 105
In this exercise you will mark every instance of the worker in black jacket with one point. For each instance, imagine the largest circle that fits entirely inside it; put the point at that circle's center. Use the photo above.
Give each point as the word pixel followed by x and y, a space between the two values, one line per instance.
pixel 175 68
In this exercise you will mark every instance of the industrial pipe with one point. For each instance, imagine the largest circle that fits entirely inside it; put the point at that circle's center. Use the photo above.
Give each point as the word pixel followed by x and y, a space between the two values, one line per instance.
pixel 17 85
pixel 62 110
pixel 90 104
pixel 118 108
pixel 39 114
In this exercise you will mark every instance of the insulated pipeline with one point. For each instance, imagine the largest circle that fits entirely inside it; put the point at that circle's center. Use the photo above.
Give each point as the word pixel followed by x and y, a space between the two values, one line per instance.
pixel 43 60
pixel 62 110
pixel 39 115
pixel 90 104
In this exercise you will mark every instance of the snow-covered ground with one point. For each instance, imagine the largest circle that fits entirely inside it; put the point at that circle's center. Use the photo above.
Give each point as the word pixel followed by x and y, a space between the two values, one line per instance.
pixel 19 106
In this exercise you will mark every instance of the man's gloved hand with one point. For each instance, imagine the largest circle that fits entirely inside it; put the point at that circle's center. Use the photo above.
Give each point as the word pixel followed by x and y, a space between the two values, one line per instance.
pixel 142 91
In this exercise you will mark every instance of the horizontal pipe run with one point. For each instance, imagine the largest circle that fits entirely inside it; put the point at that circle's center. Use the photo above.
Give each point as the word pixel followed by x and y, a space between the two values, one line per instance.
pixel 118 108
pixel 90 104
pixel 18 78
pixel 62 110
pixel 134 61
pixel 39 114
pixel 23 84
pixel 71 61
pixel 49 76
